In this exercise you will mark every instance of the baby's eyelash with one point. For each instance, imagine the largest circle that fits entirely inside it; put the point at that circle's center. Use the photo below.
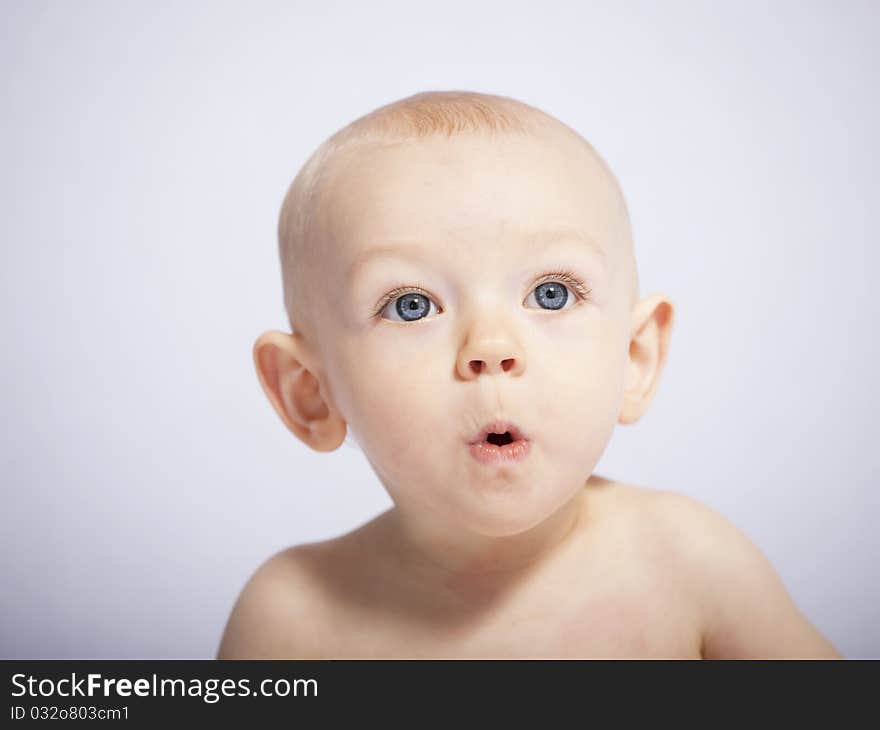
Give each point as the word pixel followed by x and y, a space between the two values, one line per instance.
pixel 566 277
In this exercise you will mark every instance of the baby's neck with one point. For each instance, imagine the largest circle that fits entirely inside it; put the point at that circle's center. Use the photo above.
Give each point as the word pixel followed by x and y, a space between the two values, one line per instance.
pixel 468 561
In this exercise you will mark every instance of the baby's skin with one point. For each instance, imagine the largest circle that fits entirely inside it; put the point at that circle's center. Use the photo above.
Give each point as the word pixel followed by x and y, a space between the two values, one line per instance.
pixel 642 573
pixel 453 282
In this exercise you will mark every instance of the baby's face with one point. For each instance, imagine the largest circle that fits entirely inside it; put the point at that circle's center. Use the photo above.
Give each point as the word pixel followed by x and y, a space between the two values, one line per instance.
pixel 470 228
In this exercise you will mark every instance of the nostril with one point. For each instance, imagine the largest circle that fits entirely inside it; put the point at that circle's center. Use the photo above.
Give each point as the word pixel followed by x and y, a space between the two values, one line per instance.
pixel 479 366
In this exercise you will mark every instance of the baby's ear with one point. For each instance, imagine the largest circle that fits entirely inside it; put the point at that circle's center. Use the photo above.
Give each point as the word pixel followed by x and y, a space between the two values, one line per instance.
pixel 651 329
pixel 285 368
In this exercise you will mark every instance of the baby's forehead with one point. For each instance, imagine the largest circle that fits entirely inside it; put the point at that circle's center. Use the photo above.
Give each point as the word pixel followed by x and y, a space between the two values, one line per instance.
pixel 473 188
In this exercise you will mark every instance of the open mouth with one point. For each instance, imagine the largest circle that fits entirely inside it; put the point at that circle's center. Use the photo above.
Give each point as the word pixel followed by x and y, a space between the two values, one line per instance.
pixel 500 439
pixel 499 433
pixel 500 442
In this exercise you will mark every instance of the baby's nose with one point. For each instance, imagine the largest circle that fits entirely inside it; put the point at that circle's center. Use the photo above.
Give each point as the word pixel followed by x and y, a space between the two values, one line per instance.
pixel 479 366
pixel 490 349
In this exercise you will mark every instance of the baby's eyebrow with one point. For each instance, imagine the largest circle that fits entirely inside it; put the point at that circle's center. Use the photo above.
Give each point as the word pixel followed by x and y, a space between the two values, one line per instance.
pixel 544 240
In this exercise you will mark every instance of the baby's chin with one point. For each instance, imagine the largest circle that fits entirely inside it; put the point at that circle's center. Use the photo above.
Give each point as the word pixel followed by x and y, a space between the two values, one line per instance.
pixel 504 515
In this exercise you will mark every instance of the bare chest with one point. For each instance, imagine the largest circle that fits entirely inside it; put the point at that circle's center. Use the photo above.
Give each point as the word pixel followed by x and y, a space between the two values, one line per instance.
pixel 624 619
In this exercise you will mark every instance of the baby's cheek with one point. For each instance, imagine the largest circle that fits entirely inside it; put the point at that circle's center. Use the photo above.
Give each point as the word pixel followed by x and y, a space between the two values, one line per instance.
pixel 390 405
pixel 574 405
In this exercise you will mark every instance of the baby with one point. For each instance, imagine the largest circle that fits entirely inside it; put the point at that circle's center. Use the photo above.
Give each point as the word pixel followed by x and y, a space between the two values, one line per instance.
pixel 461 285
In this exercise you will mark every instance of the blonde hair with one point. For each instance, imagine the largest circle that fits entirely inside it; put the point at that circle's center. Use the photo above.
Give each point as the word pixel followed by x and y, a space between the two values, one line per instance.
pixel 426 114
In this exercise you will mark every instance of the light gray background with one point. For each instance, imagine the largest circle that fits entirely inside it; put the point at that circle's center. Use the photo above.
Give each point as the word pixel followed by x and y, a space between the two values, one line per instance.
pixel 145 151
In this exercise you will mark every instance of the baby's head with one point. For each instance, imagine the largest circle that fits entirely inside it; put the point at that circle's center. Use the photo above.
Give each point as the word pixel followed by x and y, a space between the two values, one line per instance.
pixel 450 260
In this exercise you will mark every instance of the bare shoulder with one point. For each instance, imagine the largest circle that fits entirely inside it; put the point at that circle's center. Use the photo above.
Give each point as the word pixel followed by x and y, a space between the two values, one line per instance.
pixel 277 612
pixel 297 603
pixel 745 609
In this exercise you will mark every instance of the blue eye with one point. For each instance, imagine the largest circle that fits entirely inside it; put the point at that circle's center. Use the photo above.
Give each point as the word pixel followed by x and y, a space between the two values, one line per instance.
pixel 411 305
pixel 551 295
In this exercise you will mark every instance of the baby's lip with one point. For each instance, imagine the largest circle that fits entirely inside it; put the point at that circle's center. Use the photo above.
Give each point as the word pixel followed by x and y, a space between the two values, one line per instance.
pixel 499 426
